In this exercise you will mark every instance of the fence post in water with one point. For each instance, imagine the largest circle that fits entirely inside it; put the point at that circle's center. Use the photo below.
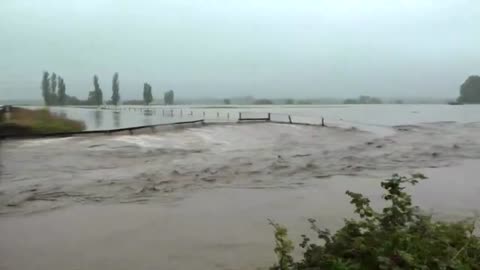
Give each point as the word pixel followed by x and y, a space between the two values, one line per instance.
pixel 218 114
pixel 269 117
pixel 203 114
pixel 228 116
pixel 323 122
pixel 239 116
pixel 290 118
pixel 181 113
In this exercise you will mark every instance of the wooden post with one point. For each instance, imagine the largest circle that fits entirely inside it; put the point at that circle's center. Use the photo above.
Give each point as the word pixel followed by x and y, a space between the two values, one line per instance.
pixel 181 113
pixel 269 117
pixel 323 122
pixel 228 116
pixel 131 131
pixel 218 114
pixel 203 114
pixel 239 116
pixel 290 119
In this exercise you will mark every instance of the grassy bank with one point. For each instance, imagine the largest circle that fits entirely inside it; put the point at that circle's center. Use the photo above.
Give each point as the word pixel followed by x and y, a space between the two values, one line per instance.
pixel 36 122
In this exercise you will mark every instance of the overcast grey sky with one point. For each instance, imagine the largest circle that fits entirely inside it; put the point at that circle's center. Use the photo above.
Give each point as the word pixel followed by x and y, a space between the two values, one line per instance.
pixel 265 48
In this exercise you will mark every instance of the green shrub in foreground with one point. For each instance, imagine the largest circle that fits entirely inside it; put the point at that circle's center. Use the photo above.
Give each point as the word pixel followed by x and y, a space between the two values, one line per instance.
pixel 399 237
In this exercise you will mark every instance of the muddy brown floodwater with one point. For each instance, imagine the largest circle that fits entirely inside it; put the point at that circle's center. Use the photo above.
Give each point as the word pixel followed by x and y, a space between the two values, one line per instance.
pixel 200 197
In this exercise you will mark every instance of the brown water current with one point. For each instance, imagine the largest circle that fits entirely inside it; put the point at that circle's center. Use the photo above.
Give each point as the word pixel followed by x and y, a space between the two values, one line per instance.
pixel 200 197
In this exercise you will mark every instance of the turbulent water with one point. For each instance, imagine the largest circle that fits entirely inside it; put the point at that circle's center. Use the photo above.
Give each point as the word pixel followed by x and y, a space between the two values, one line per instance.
pixel 47 173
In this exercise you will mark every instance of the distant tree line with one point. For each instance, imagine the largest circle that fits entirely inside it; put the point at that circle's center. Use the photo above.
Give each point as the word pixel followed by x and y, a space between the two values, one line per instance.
pixel 53 89
pixel 147 93
pixel 169 97
pixel 54 93
pixel 363 100
pixel 115 89
pixel 263 101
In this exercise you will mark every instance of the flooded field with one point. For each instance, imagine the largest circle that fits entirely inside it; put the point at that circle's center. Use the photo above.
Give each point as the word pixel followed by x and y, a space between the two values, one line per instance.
pixel 365 116
pixel 200 197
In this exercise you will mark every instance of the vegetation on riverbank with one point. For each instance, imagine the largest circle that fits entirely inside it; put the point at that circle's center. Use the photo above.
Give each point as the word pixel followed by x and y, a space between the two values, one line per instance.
pixel 35 122
pixel 399 237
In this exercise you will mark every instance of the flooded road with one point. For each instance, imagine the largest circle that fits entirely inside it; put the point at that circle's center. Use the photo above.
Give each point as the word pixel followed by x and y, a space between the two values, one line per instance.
pixel 200 197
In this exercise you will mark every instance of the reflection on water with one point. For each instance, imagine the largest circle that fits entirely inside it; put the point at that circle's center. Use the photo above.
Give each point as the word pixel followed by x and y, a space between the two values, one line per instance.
pixel 148 119
pixel 116 119
pixel 62 114
pixel 98 118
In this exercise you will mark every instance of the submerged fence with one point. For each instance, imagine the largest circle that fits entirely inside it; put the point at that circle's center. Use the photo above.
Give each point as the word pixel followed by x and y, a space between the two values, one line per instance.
pixel 118 131
pixel 280 118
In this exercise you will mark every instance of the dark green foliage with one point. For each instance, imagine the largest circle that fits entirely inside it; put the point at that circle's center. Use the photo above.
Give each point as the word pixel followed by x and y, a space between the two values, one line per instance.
pixel 133 102
pixel 169 97
pixel 71 100
pixel 290 101
pixel 399 237
pixel 263 101
pixel 283 247
pixel 115 89
pixel 470 90
pixel 53 84
pixel 363 100
pixel 54 90
pixel 95 97
pixel 304 102
pixel 147 93
pixel 46 88
pixel 227 101
pixel 52 96
pixel 62 96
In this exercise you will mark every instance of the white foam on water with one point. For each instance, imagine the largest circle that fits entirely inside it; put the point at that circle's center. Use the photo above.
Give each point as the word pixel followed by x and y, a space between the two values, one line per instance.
pixel 40 142
pixel 209 136
pixel 145 141
pixel 378 130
